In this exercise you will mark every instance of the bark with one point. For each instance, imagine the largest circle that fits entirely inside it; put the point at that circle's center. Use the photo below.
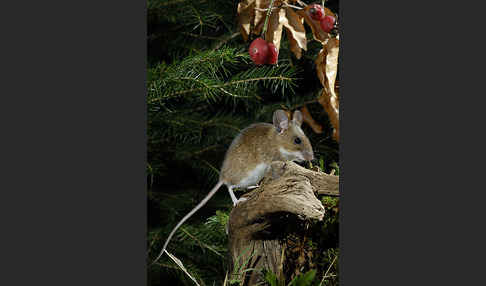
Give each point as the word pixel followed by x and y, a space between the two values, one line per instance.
pixel 258 227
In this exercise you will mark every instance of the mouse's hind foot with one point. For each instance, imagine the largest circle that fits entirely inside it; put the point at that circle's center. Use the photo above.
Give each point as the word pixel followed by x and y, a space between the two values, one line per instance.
pixel 252 187
pixel 239 201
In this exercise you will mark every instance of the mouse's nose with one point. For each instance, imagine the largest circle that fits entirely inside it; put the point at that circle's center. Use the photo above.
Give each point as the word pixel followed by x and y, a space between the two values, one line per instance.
pixel 309 156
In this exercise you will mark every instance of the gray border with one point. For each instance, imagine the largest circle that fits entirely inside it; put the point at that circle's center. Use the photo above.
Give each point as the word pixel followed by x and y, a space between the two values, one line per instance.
pixel 73 155
pixel 409 125
pixel 73 202
pixel 342 133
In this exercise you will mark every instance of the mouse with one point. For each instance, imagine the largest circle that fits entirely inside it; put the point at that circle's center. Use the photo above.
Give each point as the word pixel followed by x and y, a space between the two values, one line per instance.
pixel 250 154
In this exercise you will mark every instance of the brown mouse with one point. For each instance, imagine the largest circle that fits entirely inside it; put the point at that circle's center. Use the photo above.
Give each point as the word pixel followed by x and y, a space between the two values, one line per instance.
pixel 251 153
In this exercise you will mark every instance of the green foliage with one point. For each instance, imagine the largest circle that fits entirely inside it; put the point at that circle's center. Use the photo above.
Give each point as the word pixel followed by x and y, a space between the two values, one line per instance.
pixel 177 28
pixel 200 246
pixel 330 277
pixel 335 166
pixel 272 279
pixel 330 225
pixel 192 103
pixel 304 279
pixel 241 267
pixel 212 77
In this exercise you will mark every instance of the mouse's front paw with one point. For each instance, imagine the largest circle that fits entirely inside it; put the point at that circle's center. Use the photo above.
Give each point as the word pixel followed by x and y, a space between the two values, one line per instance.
pixel 239 201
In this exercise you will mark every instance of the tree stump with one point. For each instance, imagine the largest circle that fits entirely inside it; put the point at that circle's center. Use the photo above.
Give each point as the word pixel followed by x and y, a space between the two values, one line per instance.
pixel 258 227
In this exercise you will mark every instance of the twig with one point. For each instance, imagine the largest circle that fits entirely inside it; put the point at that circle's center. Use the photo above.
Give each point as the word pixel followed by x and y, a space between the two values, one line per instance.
pixel 284 5
pixel 327 271
pixel 269 12
pixel 301 3
pixel 266 9
pixel 181 266
pixel 292 6
pixel 225 279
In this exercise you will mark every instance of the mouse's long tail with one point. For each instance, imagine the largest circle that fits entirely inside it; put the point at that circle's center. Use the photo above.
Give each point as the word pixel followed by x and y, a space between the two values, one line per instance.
pixel 202 203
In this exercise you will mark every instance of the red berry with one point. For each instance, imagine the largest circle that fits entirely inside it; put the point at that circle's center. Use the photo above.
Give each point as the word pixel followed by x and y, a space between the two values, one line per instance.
pixel 327 23
pixel 259 51
pixel 316 12
pixel 272 54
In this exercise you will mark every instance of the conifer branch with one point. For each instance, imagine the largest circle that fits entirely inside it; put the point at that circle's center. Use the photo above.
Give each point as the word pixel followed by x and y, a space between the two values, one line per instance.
pixel 201 243
pixel 174 94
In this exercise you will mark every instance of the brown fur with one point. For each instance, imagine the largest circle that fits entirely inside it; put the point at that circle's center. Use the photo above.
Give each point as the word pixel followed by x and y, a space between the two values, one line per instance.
pixel 260 143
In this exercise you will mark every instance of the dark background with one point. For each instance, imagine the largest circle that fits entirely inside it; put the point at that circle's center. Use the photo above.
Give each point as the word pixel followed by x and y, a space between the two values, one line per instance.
pixel 73 151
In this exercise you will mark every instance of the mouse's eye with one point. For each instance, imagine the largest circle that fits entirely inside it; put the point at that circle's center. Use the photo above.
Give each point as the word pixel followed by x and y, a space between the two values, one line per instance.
pixel 297 140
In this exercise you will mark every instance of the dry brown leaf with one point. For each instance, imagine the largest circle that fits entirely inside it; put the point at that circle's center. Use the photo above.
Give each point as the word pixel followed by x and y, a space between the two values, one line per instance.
pixel 332 63
pixel 329 12
pixel 331 106
pixel 252 15
pixel 295 32
pixel 316 127
pixel 320 65
pixel 260 16
pixel 275 26
pixel 327 63
pixel 246 13
pixel 317 32
pixel 326 67
pixel 254 20
pixel 294 47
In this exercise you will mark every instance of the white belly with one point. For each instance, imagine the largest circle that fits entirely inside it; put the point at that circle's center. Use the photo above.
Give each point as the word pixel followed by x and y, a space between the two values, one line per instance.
pixel 253 176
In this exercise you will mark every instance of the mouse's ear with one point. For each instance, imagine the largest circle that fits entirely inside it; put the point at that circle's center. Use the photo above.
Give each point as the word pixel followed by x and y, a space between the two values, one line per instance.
pixel 280 120
pixel 297 118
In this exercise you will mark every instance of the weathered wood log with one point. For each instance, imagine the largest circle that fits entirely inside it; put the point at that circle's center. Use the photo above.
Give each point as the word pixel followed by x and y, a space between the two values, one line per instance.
pixel 257 227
